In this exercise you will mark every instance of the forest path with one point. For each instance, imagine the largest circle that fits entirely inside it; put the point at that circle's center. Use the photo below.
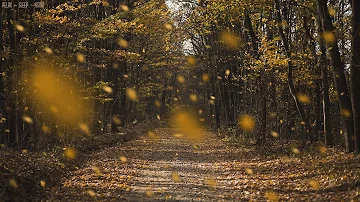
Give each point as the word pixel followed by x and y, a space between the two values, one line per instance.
pixel 173 169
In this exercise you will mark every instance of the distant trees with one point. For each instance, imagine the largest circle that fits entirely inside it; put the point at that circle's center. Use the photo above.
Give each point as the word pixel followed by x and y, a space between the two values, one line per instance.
pixel 116 55
pixel 267 59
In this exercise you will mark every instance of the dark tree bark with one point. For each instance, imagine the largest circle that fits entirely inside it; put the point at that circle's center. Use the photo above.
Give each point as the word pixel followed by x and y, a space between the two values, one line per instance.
pixel 299 105
pixel 355 71
pixel 339 76
pixel 325 88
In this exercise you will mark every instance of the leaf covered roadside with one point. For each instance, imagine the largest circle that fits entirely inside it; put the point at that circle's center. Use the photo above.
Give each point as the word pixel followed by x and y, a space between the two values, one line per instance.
pixel 27 175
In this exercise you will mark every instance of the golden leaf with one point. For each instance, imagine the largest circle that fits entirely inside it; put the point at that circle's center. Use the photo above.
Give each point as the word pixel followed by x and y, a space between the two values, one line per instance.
pixel 20 28
pixel 346 113
pixel 271 196
pixel 12 183
pixel 329 37
pixel 91 193
pixel 246 122
pixel 175 176
pixel 152 135
pixel 70 153
pixel 191 60
pixel 131 94
pixel 27 119
pixel 80 57
pixel 48 50
pixel 205 78
pixel 85 128
pixel 124 7
pixel 123 43
pixel 230 39
pixel 193 97
pixel 107 89
pixel 180 78
pixel 249 171
pixel 42 183
pixel 123 159
pixel 314 184
pixel 303 98
pixel 274 134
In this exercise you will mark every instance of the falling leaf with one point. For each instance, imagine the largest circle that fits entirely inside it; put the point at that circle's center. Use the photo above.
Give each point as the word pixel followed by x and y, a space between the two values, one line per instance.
pixel 322 149
pixel 175 177
pixel 80 57
pixel 124 7
pixel 271 196
pixel 168 26
pixel 107 89
pixel 346 113
pixel 180 78
pixel 131 94
pixel 205 78
pixel 178 135
pixel 116 120
pixel 331 11
pixel 295 150
pixel 246 122
pixel 45 129
pixel 329 37
pixel 157 103
pixel 274 134
pixel 70 153
pixel 188 124
pixel 152 135
pixel 123 43
pixel 249 171
pixel 123 159
pixel 27 119
pixel 227 72
pixel 96 170
pixel 211 182
pixel 196 147
pixel 212 97
pixel 230 39
pixel 91 193
pixel 48 50
pixel 85 128
pixel 193 97
pixel 12 183
pixel 303 98
pixel 191 60
pixel 158 116
pixel 42 183
pixel 149 192
pixel 20 28
pixel 314 184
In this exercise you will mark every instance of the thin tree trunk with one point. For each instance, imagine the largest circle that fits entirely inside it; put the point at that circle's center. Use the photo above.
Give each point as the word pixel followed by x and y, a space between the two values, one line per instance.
pixel 325 87
pixel 355 71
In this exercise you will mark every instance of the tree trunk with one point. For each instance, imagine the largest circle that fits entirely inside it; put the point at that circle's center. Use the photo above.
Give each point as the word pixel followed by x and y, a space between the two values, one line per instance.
pixel 299 106
pixel 325 88
pixel 339 75
pixel 355 71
